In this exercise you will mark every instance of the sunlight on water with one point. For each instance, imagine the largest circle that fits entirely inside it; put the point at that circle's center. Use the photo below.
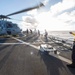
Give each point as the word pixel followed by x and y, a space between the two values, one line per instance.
pixel 62 34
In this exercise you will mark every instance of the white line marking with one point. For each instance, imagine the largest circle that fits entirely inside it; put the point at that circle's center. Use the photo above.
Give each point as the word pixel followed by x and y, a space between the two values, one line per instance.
pixel 10 43
pixel 63 58
pixel 18 39
pixel 25 42
pixel 22 42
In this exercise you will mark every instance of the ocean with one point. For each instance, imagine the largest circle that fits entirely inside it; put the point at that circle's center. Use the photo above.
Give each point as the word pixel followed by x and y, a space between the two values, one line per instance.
pixel 62 34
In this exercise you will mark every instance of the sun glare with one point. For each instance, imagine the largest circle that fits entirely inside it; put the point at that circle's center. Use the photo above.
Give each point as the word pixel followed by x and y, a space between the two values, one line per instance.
pixel 48 22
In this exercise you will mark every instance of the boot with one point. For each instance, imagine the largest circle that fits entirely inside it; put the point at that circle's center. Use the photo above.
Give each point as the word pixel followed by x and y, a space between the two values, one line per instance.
pixel 71 65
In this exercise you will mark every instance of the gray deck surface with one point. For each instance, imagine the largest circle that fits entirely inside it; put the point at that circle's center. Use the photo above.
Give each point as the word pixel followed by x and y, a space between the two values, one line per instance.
pixel 25 60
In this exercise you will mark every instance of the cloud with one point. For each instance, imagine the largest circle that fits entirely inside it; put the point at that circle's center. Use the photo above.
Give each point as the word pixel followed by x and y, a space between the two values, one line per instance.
pixel 32 12
pixel 29 19
pixel 61 6
pixel 45 2
pixel 67 17
pixel 47 20
pixel 28 22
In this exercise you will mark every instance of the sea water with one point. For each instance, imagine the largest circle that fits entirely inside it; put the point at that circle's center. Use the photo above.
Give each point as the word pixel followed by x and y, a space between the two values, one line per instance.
pixel 62 34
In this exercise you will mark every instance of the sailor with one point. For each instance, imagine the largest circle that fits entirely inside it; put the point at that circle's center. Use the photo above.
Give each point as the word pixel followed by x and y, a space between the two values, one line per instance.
pixel 27 31
pixel 73 56
pixel 46 35
pixel 30 31
pixel 38 32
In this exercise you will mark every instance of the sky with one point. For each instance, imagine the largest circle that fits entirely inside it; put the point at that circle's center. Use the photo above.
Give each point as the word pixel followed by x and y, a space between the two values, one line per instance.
pixel 57 15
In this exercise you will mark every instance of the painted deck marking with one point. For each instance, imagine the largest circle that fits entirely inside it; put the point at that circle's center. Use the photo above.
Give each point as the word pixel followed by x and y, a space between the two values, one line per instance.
pixel 22 42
